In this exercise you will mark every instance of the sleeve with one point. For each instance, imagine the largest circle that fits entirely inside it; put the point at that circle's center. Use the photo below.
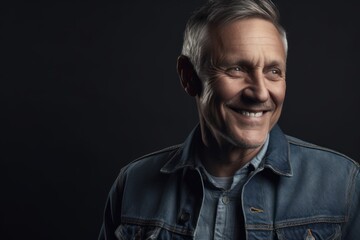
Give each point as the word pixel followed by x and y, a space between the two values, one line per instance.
pixel 112 213
pixel 351 229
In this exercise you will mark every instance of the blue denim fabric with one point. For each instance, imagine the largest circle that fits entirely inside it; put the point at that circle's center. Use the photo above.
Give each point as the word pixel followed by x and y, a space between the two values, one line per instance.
pixel 299 191
pixel 219 216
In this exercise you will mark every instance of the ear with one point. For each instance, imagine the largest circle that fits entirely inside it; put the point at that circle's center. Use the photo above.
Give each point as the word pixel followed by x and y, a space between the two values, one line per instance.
pixel 188 76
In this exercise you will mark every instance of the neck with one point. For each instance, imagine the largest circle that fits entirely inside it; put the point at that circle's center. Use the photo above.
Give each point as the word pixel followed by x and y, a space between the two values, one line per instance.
pixel 223 160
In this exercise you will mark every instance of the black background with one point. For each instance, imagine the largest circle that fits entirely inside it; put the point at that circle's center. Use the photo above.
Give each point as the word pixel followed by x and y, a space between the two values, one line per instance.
pixel 86 88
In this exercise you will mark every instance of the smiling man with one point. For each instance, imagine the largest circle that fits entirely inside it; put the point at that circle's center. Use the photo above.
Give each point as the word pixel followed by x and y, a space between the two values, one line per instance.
pixel 241 93
pixel 237 175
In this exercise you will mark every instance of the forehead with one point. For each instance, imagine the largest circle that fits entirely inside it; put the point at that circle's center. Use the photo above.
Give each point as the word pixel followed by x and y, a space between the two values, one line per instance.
pixel 248 36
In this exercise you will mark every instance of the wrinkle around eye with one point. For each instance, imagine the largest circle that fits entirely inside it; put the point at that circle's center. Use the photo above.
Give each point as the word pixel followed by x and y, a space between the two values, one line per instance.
pixel 213 70
pixel 274 74
pixel 235 72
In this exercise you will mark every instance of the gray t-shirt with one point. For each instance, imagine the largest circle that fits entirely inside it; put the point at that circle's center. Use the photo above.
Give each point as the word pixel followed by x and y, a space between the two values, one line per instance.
pixel 221 214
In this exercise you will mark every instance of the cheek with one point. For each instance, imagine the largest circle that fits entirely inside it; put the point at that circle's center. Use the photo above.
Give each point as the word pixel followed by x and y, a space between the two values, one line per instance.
pixel 214 95
pixel 277 93
pixel 278 97
pixel 207 100
pixel 224 89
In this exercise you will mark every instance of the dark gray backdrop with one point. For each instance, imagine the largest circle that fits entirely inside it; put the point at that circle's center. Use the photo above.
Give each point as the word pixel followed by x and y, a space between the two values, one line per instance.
pixel 86 88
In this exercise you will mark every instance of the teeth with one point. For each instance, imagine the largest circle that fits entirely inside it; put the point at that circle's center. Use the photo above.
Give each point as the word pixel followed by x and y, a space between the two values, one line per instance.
pixel 252 114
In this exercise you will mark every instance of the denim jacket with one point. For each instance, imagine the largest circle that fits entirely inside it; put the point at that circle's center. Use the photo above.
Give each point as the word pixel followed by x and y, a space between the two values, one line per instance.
pixel 299 191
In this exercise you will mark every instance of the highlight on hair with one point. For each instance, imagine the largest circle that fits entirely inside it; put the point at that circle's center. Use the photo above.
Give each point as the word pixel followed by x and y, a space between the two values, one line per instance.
pixel 218 12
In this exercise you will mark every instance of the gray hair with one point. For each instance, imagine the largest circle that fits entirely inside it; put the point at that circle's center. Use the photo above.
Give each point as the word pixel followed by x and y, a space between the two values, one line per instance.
pixel 217 12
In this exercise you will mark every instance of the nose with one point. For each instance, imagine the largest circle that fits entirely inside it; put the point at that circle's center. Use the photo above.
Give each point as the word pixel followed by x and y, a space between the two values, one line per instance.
pixel 256 90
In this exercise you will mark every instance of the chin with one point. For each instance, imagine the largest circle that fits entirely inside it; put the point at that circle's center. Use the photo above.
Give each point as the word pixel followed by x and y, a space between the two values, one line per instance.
pixel 248 140
pixel 247 144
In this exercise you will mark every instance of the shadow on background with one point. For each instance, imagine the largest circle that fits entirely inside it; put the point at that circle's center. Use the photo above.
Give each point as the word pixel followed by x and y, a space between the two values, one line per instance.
pixel 88 88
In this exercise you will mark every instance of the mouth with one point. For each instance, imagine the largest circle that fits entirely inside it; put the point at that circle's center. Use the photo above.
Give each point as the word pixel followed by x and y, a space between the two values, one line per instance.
pixel 255 113
pixel 251 114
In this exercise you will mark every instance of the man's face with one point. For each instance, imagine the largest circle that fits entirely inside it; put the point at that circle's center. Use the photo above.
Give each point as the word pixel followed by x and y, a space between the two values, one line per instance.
pixel 243 83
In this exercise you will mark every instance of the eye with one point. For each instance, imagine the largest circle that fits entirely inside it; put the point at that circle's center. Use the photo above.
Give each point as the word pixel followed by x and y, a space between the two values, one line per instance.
pixel 236 71
pixel 274 73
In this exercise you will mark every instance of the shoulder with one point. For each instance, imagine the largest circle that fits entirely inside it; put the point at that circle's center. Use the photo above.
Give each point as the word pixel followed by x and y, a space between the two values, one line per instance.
pixel 152 162
pixel 160 153
pixel 303 150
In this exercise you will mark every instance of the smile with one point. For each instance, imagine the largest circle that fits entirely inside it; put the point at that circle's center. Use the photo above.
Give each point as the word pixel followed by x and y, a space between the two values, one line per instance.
pixel 251 114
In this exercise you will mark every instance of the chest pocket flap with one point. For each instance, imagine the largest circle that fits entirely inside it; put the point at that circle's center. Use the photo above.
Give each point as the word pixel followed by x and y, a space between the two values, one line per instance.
pixel 317 231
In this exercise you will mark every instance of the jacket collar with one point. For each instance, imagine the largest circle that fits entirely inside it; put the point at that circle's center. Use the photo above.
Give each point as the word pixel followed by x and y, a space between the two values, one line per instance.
pixel 185 155
pixel 276 157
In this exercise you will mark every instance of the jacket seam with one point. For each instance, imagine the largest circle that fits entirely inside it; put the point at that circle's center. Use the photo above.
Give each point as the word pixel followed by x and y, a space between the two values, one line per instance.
pixel 164 150
pixel 300 143
pixel 270 227
pixel 156 223
pixel 294 223
pixel 161 151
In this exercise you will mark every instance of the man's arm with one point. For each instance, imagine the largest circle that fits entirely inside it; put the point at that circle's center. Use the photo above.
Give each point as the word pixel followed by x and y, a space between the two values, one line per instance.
pixel 112 213
pixel 351 230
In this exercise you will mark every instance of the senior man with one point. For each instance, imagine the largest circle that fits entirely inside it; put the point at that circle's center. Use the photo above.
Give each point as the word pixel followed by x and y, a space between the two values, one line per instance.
pixel 237 176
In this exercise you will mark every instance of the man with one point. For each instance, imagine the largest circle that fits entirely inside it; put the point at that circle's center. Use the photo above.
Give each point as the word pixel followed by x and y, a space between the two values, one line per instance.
pixel 237 176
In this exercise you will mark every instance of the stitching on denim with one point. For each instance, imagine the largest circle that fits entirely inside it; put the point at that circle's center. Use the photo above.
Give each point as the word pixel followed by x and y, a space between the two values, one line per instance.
pixel 156 223
pixel 168 149
pixel 277 171
pixel 293 223
pixel 298 142
pixel 269 227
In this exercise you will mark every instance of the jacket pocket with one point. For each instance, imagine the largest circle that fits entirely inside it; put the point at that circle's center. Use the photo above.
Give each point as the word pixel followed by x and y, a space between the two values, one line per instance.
pixel 316 231
pixel 137 232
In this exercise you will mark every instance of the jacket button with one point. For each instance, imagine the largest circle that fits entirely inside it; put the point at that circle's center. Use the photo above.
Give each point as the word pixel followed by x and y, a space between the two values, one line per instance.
pixel 225 200
pixel 184 217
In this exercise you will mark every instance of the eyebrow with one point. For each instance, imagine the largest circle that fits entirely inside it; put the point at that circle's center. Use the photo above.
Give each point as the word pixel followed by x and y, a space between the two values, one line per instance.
pixel 250 64
pixel 275 63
